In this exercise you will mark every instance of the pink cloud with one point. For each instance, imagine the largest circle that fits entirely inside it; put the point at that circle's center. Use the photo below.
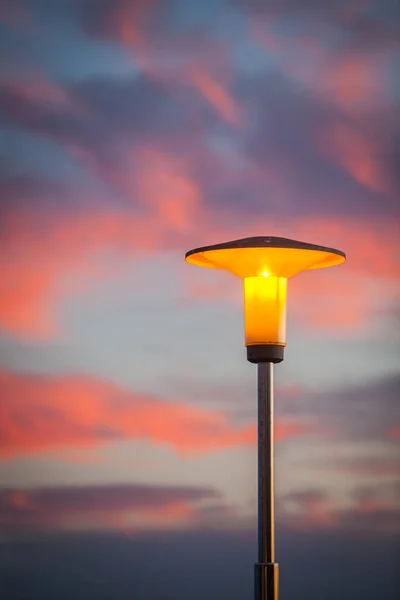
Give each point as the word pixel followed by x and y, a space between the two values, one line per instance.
pixel 127 507
pixel 40 414
pixel 356 84
pixel 217 95
pixel 36 88
pixel 358 153
pixel 33 93
pixel 311 510
pixel 308 509
pixel 165 187
pixel 34 278
pixel 348 79
pixel 352 79
pixel 45 414
pixel 394 432
pixel 200 63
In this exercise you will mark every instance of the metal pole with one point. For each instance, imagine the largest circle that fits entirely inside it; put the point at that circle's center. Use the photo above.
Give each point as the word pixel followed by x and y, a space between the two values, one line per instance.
pixel 266 570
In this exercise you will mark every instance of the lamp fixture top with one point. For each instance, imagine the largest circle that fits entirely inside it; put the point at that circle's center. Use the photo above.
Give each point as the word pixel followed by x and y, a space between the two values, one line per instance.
pixel 265 255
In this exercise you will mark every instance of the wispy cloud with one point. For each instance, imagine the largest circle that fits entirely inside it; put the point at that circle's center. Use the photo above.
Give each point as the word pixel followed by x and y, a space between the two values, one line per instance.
pixel 127 507
pixel 41 414
pixel 368 510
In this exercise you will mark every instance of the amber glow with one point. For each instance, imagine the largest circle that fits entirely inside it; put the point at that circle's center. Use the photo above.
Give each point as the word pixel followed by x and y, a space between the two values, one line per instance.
pixel 265 265
pixel 265 310
pixel 253 262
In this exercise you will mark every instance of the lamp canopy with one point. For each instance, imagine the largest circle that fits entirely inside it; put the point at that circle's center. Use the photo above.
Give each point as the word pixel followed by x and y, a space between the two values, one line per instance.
pixel 256 256
pixel 265 264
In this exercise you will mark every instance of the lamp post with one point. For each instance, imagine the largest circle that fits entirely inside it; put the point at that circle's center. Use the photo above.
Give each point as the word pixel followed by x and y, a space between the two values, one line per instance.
pixel 265 264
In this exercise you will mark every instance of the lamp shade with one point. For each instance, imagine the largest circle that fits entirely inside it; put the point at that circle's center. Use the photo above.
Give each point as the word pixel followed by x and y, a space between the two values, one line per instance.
pixel 265 264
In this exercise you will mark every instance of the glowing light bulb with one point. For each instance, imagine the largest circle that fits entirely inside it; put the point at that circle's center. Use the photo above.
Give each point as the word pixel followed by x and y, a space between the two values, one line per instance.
pixel 265 274
pixel 265 310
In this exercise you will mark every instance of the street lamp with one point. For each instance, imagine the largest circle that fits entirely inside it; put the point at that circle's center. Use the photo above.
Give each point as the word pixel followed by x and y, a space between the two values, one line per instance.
pixel 265 264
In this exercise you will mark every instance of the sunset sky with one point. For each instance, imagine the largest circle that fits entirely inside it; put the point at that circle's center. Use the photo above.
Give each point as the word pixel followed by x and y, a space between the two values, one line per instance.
pixel 131 132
